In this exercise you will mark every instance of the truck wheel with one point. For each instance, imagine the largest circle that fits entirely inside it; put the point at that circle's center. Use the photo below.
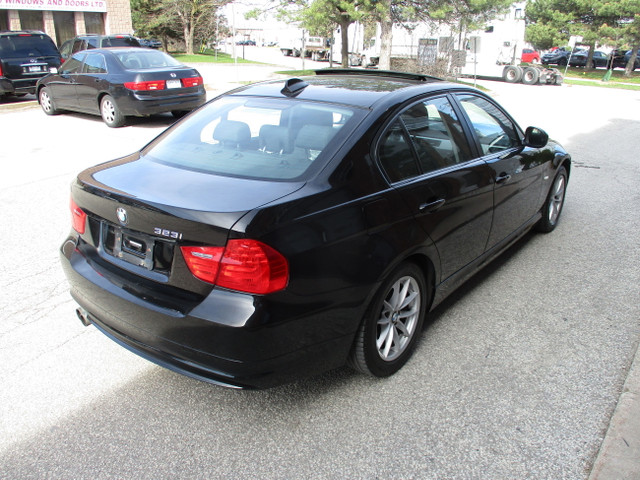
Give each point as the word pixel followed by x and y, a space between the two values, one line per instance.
pixel 530 76
pixel 512 74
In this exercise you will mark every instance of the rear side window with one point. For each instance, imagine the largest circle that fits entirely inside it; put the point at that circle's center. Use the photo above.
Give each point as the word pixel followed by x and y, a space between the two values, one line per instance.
pixel 12 46
pixel 94 63
pixel 426 137
pixel 274 139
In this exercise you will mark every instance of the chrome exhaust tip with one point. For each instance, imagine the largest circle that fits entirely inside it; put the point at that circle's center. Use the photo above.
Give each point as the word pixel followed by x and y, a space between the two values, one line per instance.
pixel 83 315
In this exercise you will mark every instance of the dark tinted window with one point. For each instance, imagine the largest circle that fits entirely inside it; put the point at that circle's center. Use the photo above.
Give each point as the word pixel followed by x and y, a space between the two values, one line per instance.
pixel 26 46
pixel 436 134
pixel 120 42
pixel 395 154
pixel 493 128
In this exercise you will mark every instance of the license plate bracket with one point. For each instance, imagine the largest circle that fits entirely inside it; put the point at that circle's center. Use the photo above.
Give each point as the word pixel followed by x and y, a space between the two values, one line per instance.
pixel 133 247
pixel 174 84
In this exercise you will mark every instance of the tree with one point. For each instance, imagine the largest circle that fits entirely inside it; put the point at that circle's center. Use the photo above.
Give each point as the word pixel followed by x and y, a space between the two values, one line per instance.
pixel 553 22
pixel 193 19
pixel 321 17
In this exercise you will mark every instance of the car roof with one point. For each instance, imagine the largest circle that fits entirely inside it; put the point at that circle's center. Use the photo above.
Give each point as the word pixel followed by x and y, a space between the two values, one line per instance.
pixel 21 32
pixel 360 88
pixel 118 49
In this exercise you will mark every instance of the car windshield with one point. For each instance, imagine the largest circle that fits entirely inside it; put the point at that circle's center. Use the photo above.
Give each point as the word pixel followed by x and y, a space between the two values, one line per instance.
pixel 143 59
pixel 257 138
pixel 26 46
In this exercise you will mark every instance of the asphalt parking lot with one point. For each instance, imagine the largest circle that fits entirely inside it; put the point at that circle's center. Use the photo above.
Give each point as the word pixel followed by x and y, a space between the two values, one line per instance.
pixel 517 375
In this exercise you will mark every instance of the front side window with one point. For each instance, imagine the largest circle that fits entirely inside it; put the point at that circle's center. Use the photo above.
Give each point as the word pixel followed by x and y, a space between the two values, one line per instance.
pixel 254 138
pixel 426 137
pixel 493 128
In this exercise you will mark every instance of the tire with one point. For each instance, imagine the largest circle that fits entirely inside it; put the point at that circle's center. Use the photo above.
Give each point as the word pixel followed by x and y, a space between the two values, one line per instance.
pixel 530 76
pixel 562 62
pixel 179 113
pixel 111 114
pixel 393 322
pixel 46 102
pixel 512 74
pixel 552 207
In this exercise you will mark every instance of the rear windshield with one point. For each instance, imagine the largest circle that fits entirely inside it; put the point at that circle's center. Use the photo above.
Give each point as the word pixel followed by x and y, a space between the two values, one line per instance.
pixel 120 42
pixel 142 59
pixel 12 46
pixel 258 138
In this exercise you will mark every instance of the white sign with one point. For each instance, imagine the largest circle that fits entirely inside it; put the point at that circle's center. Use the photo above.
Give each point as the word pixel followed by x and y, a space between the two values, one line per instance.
pixel 56 5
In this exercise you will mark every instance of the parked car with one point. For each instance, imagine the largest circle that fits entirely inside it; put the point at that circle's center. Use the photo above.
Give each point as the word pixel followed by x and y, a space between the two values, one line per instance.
pixel 530 56
pixel 89 41
pixel 579 59
pixel 25 56
pixel 290 227
pixel 149 43
pixel 559 56
pixel 621 58
pixel 119 82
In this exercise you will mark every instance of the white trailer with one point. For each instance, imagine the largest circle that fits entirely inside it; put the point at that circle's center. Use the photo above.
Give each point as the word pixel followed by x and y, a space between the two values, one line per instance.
pixel 297 42
pixel 493 52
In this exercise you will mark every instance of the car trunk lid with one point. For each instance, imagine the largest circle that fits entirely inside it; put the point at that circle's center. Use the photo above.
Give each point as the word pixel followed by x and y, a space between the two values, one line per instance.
pixel 140 211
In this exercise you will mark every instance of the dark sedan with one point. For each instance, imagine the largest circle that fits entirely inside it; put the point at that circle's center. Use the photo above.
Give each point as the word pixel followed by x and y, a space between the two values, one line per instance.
pixel 288 228
pixel 579 59
pixel 559 56
pixel 120 82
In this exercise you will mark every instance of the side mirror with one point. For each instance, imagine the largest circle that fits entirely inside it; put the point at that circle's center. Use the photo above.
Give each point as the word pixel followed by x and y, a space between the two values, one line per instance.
pixel 535 137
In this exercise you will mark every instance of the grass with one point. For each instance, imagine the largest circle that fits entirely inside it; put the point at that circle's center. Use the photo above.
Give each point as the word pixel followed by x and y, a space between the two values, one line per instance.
pixel 296 73
pixel 616 76
pixel 209 56
pixel 590 83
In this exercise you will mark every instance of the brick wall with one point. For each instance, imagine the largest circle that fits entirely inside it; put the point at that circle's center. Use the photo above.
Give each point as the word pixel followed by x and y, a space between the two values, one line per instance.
pixel 118 17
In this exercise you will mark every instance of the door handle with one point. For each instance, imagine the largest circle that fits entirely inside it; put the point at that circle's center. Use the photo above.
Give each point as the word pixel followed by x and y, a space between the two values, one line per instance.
pixel 431 206
pixel 502 178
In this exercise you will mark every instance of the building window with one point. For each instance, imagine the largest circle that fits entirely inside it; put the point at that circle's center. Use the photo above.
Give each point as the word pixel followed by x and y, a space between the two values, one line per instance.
pixel 31 20
pixel 65 26
pixel 4 20
pixel 518 13
pixel 94 22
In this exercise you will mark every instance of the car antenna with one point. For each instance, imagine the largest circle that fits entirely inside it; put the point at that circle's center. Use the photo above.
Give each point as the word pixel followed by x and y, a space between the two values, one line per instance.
pixel 293 87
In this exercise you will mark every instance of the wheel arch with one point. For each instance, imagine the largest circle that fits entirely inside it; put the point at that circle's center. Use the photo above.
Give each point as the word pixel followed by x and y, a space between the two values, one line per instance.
pixel 428 269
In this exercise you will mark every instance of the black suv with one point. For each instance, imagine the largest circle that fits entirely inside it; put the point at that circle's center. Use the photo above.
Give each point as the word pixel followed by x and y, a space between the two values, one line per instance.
pixel 25 56
pixel 85 42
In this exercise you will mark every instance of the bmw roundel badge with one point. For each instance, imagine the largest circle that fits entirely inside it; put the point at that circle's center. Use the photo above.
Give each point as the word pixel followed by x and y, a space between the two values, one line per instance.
pixel 121 213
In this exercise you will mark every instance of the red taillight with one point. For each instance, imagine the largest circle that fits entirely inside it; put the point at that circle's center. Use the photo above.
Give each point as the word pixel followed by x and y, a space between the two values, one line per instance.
pixel 191 82
pixel 203 261
pixel 0 70
pixel 243 265
pixel 78 217
pixel 145 86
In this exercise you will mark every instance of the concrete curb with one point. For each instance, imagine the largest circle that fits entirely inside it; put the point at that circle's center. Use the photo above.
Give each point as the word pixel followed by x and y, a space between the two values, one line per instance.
pixel 619 455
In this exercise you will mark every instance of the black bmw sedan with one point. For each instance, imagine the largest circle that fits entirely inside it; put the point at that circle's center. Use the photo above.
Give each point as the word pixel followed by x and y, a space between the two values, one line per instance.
pixel 288 228
pixel 119 82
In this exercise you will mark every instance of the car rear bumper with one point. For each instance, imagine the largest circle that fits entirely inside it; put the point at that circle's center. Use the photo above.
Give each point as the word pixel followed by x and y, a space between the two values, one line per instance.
pixel 139 105
pixel 17 86
pixel 227 339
